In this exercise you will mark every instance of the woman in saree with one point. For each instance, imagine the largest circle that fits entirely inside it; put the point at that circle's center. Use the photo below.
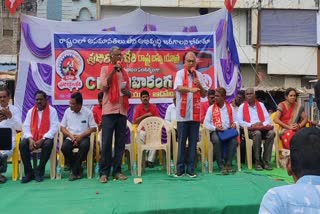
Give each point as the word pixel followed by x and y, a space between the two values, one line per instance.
pixel 290 116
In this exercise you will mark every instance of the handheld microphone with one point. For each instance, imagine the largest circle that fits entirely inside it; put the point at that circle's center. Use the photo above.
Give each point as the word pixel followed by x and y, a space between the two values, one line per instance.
pixel 119 69
pixel 192 71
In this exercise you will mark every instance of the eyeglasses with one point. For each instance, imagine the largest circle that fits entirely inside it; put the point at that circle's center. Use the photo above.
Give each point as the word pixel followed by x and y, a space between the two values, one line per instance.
pixel 116 55
pixel 190 61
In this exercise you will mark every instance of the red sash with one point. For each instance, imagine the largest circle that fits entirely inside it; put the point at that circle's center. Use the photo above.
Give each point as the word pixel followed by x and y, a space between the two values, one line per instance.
pixel 246 114
pixel 38 132
pixel 196 98
pixel 216 114
pixel 114 92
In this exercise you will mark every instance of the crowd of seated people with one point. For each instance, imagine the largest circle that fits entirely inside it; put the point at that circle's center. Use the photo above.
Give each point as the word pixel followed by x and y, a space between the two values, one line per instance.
pixel 219 117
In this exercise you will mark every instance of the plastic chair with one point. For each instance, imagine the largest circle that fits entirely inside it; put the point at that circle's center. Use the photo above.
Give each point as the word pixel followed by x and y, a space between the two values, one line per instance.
pixel 53 159
pixel 153 129
pixel 200 145
pixel 89 155
pixel 211 152
pixel 129 147
pixel 15 158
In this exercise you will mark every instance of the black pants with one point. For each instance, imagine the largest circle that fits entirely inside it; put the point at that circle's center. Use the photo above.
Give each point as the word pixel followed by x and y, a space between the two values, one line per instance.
pixel 3 163
pixel 75 159
pixel 112 123
pixel 46 149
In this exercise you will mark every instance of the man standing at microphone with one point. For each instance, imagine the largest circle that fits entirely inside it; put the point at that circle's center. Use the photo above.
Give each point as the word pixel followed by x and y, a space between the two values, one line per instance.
pixel 189 87
pixel 115 104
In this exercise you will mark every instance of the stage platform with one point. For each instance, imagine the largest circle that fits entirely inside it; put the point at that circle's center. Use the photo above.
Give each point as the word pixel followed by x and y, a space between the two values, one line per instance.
pixel 159 193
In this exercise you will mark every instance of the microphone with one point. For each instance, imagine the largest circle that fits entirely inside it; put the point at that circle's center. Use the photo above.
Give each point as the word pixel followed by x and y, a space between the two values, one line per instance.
pixel 117 68
pixel 192 71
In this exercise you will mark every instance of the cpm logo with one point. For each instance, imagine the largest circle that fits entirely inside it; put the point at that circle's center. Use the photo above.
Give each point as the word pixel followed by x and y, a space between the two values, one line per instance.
pixel 69 66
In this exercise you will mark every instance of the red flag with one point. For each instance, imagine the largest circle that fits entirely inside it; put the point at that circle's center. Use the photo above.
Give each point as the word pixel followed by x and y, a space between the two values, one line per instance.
pixel 230 4
pixel 12 5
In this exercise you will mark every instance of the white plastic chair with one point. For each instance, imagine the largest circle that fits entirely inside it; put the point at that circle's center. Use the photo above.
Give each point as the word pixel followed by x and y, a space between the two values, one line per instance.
pixel 153 141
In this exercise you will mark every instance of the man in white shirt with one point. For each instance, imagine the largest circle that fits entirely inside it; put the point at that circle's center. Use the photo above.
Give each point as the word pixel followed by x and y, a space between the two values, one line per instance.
pixel 77 125
pixel 220 117
pixel 10 117
pixel 254 115
pixel 39 128
pixel 189 86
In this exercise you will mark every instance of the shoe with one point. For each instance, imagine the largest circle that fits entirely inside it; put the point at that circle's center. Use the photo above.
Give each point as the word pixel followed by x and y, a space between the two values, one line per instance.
pixel 3 179
pixel 149 164
pixel 103 179
pixel 267 166
pixel 27 179
pixel 38 178
pixel 120 176
pixel 224 171
pixel 192 175
pixel 80 174
pixel 73 177
pixel 178 175
pixel 258 167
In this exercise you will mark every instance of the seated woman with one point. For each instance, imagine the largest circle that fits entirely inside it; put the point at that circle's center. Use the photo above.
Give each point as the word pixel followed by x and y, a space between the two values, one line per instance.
pixel 290 116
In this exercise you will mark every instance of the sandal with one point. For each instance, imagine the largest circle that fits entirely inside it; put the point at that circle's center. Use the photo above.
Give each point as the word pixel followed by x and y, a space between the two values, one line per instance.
pixel 103 179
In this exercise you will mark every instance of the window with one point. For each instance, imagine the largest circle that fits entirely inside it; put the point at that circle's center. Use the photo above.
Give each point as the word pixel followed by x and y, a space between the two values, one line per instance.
pixel 289 27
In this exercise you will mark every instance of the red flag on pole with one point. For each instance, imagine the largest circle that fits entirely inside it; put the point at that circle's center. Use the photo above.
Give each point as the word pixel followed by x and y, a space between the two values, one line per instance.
pixel 230 4
pixel 12 5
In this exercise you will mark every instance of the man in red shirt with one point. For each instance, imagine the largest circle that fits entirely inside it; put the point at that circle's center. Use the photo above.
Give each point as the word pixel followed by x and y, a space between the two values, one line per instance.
pixel 205 105
pixel 144 110
pixel 97 111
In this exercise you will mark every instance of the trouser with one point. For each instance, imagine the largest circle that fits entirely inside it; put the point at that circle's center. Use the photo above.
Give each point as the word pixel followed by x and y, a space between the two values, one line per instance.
pixel 75 158
pixel 231 145
pixel 187 130
pixel 46 149
pixel 257 137
pixel 3 163
pixel 112 123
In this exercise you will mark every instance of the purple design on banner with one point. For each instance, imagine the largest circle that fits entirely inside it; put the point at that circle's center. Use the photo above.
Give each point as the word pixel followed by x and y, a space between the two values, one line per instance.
pixel 219 31
pixel 31 88
pixel 227 69
pixel 149 27
pixel 192 28
pixel 34 49
pixel 109 29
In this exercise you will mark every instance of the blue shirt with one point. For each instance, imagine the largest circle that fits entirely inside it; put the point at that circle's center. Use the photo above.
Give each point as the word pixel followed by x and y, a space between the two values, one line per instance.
pixel 302 197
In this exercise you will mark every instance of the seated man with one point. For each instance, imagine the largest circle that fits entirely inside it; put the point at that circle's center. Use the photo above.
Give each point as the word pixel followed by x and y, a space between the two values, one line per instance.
pixel 220 117
pixel 304 167
pixel 205 105
pixel 39 128
pixel 144 110
pixel 77 125
pixel 10 117
pixel 97 111
pixel 254 115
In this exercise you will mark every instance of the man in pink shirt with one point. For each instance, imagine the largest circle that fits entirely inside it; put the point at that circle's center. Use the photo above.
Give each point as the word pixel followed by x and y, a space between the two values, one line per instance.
pixel 115 86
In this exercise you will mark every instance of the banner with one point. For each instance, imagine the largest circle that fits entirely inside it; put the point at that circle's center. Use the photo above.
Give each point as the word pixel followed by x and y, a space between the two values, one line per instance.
pixel 151 61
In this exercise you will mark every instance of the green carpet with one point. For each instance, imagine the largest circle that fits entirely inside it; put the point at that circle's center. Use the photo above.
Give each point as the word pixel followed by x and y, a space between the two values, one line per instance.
pixel 159 193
